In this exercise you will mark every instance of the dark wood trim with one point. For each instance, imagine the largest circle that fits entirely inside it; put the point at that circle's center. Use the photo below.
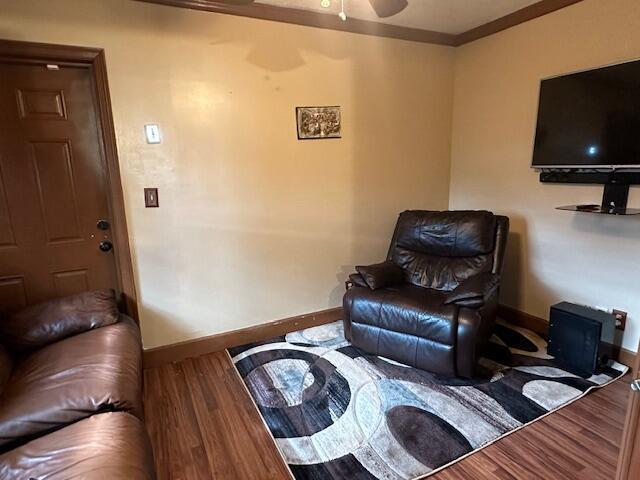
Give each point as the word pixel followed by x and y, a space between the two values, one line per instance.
pixel 154 357
pixel 30 52
pixel 541 327
pixel 630 438
pixel 628 358
pixel 313 19
pixel 119 229
pixel 630 447
pixel 525 320
pixel 94 60
pixel 332 22
pixel 516 18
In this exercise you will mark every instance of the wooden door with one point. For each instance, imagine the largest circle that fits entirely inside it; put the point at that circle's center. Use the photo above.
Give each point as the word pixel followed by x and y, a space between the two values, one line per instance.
pixel 629 461
pixel 53 186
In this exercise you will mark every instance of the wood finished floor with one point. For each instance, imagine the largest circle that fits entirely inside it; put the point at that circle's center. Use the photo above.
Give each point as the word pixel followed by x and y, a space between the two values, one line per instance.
pixel 204 425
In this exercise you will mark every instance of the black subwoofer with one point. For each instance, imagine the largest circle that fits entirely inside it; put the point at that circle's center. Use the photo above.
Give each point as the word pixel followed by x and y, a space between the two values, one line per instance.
pixel 582 339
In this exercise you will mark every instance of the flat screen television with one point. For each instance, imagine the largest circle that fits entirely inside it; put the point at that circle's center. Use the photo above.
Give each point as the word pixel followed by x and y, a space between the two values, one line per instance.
pixel 590 119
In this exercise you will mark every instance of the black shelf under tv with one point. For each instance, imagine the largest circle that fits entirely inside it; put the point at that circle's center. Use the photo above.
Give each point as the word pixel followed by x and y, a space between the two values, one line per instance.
pixel 599 209
pixel 616 189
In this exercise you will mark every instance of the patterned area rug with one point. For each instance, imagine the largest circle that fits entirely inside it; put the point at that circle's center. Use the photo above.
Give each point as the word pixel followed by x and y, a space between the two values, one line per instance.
pixel 337 412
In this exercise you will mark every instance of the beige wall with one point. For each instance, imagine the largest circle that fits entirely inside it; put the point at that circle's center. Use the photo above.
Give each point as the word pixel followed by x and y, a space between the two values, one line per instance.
pixel 552 255
pixel 255 225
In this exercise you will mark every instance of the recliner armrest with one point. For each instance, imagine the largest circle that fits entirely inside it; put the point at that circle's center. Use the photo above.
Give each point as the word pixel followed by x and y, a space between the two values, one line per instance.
pixel 39 325
pixel 381 275
pixel 474 291
pixel 357 280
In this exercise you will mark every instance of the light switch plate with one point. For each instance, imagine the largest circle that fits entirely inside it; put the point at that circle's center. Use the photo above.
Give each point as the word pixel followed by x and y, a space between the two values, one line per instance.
pixel 151 198
pixel 152 132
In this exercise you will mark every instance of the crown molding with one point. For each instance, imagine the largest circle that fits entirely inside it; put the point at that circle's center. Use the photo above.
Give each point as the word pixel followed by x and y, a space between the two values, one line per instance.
pixel 313 19
pixel 516 18
pixel 353 25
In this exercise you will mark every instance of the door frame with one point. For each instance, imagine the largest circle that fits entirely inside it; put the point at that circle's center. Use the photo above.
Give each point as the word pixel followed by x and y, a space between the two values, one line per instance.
pixel 94 60
pixel 631 433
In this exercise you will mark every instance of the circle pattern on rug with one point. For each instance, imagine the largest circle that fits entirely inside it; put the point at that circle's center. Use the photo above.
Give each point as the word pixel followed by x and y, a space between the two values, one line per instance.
pixel 337 412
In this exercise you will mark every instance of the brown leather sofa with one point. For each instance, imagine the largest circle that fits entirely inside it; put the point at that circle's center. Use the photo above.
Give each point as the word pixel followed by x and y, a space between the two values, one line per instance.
pixel 71 392
pixel 432 304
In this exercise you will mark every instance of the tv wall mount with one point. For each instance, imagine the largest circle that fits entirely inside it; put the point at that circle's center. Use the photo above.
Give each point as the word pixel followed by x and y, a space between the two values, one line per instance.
pixel 616 189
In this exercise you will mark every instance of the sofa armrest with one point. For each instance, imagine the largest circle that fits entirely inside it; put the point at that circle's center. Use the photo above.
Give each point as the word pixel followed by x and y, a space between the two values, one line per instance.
pixel 39 325
pixel 474 291
pixel 381 275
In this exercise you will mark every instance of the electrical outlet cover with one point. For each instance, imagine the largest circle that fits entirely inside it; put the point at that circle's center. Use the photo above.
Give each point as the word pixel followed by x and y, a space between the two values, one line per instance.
pixel 620 316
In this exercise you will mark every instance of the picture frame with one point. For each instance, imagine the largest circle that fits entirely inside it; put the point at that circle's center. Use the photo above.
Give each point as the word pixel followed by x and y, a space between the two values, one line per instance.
pixel 319 123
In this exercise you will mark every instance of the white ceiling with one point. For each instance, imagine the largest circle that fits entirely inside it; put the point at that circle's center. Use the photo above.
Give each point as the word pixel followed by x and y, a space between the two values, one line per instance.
pixel 447 16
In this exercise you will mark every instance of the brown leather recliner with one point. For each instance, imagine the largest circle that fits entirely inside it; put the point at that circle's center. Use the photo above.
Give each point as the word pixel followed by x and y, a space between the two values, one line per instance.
pixel 432 304
pixel 71 392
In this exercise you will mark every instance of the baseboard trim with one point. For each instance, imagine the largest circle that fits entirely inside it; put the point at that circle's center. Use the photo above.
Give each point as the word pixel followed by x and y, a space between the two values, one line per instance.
pixel 196 347
pixel 523 319
pixel 628 358
pixel 541 327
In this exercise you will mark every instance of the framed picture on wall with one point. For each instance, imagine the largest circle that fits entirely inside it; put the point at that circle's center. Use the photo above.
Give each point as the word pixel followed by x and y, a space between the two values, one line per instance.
pixel 316 123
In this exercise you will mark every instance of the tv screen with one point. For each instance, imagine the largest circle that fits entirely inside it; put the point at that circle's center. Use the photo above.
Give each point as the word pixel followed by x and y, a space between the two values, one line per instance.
pixel 590 119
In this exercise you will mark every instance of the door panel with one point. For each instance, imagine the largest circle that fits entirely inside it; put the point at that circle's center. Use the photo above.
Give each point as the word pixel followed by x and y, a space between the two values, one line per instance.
pixel 7 238
pixel 54 177
pixel 42 104
pixel 71 282
pixel 53 186
pixel 13 294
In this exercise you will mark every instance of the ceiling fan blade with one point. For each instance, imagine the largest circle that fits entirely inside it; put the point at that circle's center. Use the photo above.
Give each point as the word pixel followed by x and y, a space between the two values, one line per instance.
pixel 388 8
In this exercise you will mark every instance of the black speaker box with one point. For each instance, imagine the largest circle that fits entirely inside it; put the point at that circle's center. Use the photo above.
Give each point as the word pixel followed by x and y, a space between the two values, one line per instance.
pixel 582 339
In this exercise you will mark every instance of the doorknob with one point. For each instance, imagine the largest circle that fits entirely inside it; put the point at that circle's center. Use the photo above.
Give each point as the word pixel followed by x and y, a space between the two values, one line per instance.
pixel 105 245
pixel 635 385
pixel 102 224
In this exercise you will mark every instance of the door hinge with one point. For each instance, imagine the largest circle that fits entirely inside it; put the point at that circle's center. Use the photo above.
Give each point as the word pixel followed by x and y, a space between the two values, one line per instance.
pixel 635 385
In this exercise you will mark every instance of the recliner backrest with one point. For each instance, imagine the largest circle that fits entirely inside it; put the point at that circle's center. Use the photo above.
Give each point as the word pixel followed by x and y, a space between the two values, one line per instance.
pixel 441 249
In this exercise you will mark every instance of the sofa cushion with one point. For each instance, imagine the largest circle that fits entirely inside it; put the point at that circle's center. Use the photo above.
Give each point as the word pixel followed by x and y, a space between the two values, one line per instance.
pixel 66 381
pixel 407 309
pixel 101 447
pixel 45 323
